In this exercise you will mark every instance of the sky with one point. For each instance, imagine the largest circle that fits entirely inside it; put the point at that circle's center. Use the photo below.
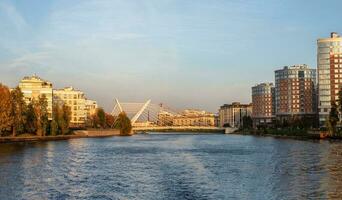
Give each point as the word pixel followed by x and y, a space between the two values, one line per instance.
pixel 184 53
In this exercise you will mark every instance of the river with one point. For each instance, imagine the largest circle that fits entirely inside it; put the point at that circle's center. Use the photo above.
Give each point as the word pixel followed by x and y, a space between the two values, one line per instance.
pixel 172 166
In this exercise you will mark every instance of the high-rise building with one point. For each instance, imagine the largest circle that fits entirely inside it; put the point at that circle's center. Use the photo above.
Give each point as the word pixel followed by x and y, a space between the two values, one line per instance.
pixel 329 66
pixel 34 87
pixel 263 100
pixel 232 114
pixel 295 92
pixel 75 99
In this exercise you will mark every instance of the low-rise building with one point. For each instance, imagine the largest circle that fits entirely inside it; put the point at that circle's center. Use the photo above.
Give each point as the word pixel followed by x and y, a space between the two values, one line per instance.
pixel 165 119
pixel 75 99
pixel 191 117
pixel 34 87
pixel 231 115
pixel 263 100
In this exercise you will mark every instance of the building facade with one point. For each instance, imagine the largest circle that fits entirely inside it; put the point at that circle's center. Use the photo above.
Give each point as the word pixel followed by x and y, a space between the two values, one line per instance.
pixel 191 117
pixel 90 107
pixel 295 92
pixel 231 115
pixel 165 119
pixel 263 100
pixel 329 66
pixel 75 99
pixel 34 87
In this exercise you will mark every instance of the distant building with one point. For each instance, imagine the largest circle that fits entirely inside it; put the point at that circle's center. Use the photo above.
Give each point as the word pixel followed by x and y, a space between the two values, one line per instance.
pixel 191 117
pixel 329 66
pixel 231 115
pixel 295 91
pixel 90 107
pixel 75 99
pixel 165 119
pixel 263 100
pixel 34 87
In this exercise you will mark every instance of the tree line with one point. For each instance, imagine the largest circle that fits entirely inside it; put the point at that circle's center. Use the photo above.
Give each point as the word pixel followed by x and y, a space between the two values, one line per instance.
pixel 17 117
pixel 103 120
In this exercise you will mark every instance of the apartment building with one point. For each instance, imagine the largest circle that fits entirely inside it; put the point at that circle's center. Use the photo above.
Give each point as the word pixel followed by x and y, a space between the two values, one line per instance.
pixel 263 100
pixel 329 67
pixel 295 92
pixel 75 99
pixel 34 87
pixel 231 115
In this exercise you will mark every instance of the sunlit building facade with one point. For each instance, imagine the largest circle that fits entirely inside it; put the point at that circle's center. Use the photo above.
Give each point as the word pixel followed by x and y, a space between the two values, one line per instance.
pixel 263 100
pixel 192 117
pixel 329 66
pixel 75 99
pixel 231 115
pixel 295 92
pixel 34 87
pixel 90 107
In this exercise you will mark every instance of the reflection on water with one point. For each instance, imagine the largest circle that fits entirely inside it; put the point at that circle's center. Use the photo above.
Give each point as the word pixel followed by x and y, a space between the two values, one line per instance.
pixel 172 167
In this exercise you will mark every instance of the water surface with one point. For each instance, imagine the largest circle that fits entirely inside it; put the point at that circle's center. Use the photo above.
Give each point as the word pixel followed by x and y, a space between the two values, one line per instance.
pixel 172 167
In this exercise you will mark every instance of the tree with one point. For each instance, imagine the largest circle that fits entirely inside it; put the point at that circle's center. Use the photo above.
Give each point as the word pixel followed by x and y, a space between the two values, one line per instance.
pixel 66 118
pixel 110 119
pixel 30 116
pixel 339 101
pixel 101 115
pixel 6 119
pixel 124 124
pixel 333 118
pixel 247 122
pixel 41 113
pixel 60 119
pixel 18 111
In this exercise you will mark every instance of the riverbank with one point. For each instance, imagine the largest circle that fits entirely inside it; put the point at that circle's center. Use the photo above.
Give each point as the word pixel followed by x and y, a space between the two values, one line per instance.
pixel 74 135
pixel 288 134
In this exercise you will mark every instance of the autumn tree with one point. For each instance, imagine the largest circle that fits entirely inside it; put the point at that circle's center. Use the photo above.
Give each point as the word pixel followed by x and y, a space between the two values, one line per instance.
pixel 6 119
pixel 61 119
pixel 333 118
pixel 110 119
pixel 124 124
pixel 66 118
pixel 41 113
pixel 18 111
pixel 101 116
pixel 30 116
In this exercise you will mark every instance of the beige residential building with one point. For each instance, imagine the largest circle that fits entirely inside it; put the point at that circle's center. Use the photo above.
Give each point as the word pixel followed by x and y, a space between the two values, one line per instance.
pixel 165 118
pixel 75 99
pixel 90 107
pixel 191 117
pixel 329 70
pixel 33 87
pixel 232 114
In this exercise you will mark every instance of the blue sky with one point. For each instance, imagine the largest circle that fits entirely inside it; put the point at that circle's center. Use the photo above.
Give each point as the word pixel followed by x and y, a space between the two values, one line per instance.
pixel 184 53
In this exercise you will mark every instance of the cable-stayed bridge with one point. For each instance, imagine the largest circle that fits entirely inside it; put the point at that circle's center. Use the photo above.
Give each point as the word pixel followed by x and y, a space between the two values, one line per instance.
pixel 147 116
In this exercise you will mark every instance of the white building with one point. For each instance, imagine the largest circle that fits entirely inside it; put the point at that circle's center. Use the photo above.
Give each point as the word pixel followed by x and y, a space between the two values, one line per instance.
pixel 75 99
pixel 34 87
pixel 329 69
pixel 90 107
